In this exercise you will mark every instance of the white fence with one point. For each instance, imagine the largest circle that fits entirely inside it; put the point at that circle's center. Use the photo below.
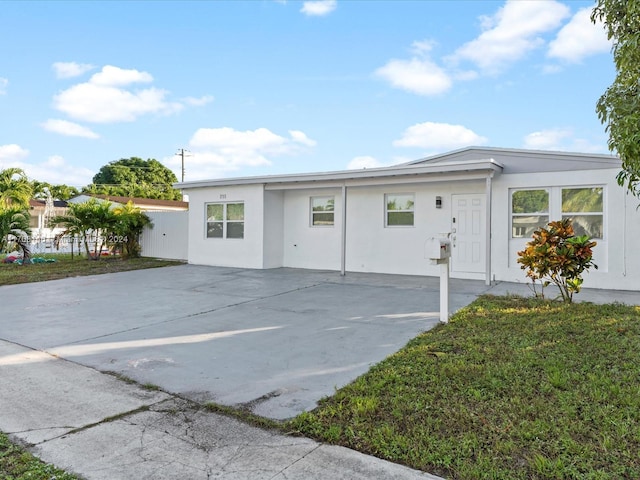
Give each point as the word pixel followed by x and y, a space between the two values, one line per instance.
pixel 168 237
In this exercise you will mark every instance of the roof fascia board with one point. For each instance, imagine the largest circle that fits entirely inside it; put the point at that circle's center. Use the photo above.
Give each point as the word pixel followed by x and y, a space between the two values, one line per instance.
pixel 386 173
pixel 404 180
pixel 516 152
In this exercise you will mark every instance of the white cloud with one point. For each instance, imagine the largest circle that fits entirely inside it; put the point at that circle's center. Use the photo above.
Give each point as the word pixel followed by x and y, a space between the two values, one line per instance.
pixel 69 129
pixel 198 102
pixel 439 136
pixel 301 137
pixel 547 139
pixel 560 139
pixel 11 153
pixel 218 151
pixel 54 170
pixel 111 76
pixel 103 100
pixel 420 76
pixel 318 8
pixel 364 161
pixel 3 85
pixel 70 69
pixel 579 38
pixel 511 33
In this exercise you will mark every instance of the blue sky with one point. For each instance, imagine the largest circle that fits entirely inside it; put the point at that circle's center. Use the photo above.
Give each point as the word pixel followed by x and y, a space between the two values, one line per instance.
pixel 269 87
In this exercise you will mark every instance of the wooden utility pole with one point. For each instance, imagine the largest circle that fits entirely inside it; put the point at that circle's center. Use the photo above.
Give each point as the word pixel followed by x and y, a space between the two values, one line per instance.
pixel 183 153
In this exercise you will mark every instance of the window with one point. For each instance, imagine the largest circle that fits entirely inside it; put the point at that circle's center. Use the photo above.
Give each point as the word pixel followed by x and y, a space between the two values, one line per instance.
pixel 322 209
pixel 530 210
pixel 535 208
pixel 225 220
pixel 399 209
pixel 584 206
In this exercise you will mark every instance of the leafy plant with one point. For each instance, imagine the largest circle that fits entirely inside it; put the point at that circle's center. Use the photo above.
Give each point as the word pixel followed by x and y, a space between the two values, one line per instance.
pixel 92 221
pixel 14 229
pixel 556 255
pixel 130 222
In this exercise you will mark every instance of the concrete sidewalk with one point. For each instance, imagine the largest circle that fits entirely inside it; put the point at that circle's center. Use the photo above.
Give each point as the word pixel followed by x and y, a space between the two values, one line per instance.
pixel 270 341
pixel 100 427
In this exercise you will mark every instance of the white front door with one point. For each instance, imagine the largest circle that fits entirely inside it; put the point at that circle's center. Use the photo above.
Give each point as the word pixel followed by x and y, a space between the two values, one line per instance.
pixel 468 233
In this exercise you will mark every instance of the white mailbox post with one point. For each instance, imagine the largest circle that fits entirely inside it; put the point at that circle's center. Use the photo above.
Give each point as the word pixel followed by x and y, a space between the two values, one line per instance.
pixel 438 251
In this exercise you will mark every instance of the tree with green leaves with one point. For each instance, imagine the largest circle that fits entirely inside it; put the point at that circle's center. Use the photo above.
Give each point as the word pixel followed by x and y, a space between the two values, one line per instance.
pixel 130 222
pixel 14 229
pixel 15 189
pixel 619 107
pixel 93 221
pixel 135 177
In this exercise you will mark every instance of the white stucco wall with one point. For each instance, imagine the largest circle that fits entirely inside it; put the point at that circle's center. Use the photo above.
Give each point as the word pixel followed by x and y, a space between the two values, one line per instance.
pixel 273 229
pixel 372 247
pixel 307 246
pixel 616 254
pixel 278 230
pixel 227 252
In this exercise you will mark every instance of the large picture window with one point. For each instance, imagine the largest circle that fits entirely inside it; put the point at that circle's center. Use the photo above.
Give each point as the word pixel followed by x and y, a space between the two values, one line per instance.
pixel 322 211
pixel 535 208
pixel 584 206
pixel 399 209
pixel 225 220
pixel 529 211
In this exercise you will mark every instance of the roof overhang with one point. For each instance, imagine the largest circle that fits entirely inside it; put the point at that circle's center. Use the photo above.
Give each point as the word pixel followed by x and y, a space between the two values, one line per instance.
pixel 440 172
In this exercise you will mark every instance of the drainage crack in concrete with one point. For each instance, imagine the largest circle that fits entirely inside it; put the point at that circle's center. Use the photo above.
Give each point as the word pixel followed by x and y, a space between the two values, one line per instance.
pixel 284 470
pixel 112 418
pixel 251 404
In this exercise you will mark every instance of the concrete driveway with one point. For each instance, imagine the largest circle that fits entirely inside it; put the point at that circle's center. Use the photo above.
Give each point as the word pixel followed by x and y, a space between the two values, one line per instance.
pixel 271 341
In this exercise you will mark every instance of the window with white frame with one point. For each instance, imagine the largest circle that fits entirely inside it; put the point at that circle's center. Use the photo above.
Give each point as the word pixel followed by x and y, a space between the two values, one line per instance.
pixel 584 206
pixel 225 220
pixel 536 207
pixel 529 211
pixel 399 209
pixel 322 211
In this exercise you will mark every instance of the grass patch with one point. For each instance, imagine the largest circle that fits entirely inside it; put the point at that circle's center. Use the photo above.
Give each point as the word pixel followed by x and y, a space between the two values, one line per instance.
pixel 245 416
pixel 511 388
pixel 64 267
pixel 16 463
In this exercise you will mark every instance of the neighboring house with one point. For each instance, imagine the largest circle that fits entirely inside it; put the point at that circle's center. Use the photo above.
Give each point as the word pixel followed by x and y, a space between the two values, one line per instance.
pixel 379 220
pixel 39 214
pixel 144 204
pixel 167 237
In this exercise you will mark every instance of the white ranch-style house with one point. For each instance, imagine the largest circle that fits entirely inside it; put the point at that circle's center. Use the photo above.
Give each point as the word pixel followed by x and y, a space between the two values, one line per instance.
pixel 379 220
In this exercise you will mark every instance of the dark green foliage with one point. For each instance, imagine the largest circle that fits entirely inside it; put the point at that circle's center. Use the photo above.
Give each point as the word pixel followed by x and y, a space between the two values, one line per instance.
pixel 135 177
pixel 619 107
pixel 15 231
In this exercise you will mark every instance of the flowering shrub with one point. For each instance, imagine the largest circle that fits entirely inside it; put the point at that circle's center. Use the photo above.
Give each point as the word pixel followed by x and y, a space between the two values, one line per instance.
pixel 555 255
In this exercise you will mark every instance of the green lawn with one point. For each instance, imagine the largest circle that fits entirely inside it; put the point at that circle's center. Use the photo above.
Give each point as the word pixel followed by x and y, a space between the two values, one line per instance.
pixel 66 267
pixel 18 464
pixel 511 388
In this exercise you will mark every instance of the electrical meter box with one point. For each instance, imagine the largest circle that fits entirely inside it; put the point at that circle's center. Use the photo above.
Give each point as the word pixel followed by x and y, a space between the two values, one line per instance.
pixel 437 248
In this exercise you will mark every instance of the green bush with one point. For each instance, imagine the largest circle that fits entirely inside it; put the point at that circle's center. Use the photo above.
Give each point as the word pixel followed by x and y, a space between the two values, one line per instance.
pixel 556 255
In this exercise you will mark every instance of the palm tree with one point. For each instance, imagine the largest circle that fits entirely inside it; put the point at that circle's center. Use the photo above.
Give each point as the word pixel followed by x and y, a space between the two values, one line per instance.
pixel 15 189
pixel 130 224
pixel 72 229
pixel 14 228
pixel 93 221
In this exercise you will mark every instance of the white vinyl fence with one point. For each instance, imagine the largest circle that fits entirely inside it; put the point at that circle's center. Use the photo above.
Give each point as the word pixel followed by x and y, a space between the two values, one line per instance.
pixel 168 237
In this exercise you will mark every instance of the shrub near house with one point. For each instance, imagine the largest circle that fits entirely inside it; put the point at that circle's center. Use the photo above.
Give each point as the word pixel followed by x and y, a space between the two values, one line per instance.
pixel 555 255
